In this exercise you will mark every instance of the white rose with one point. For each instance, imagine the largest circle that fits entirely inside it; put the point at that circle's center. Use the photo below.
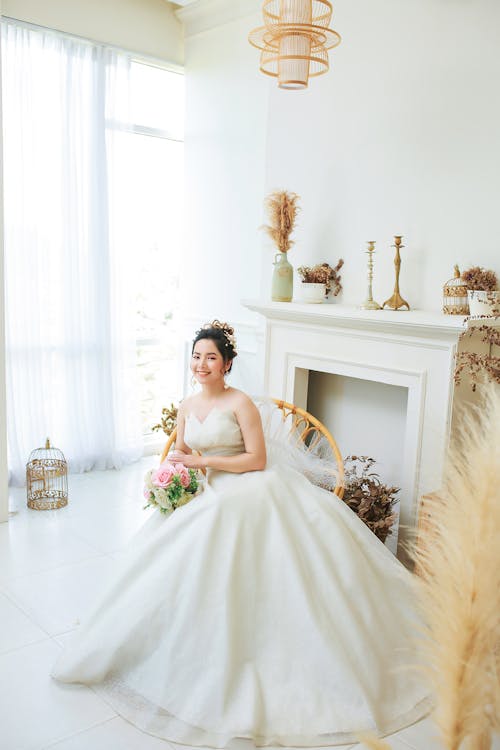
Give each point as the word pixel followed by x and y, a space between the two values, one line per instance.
pixel 148 481
pixel 162 499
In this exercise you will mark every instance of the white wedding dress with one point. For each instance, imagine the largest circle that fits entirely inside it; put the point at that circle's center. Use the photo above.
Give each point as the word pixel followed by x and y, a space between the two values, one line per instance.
pixel 263 609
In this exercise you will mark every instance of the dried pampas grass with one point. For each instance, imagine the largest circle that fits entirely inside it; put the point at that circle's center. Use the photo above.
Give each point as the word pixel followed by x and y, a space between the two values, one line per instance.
pixel 282 210
pixel 460 583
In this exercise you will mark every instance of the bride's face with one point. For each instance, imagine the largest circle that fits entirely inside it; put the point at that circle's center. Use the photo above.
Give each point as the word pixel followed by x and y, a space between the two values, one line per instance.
pixel 207 363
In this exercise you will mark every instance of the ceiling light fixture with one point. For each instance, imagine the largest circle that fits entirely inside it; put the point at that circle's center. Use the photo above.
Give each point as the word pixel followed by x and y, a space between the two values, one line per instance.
pixel 295 40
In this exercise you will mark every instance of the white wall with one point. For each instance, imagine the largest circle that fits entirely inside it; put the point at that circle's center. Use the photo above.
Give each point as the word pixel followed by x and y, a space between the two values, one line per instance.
pixel 226 128
pixel 144 26
pixel 401 137
pixel 367 418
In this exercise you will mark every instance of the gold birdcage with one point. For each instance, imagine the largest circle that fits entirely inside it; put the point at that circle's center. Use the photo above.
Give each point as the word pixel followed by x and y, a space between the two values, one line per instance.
pixel 47 478
pixel 455 300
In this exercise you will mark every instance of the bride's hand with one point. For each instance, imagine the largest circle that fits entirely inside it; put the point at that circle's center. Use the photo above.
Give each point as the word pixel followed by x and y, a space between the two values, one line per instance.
pixel 176 456
pixel 190 460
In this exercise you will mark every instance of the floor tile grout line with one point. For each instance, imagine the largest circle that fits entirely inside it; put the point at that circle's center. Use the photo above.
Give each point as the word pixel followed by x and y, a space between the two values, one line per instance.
pixel 29 520
pixel 65 632
pixel 43 571
pixel 81 731
pixel 31 613
pixel 25 611
pixel 25 645
pixel 83 539
pixel 127 495
pixel 4 585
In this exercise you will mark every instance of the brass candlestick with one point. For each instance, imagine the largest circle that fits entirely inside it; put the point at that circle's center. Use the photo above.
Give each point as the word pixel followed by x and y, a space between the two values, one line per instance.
pixel 396 301
pixel 369 303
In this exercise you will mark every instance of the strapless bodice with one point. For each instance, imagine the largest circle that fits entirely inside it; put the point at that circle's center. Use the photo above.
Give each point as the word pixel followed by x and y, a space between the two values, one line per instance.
pixel 218 435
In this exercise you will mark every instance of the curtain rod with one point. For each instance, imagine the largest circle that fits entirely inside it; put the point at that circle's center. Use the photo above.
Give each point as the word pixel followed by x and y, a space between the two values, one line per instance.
pixel 157 62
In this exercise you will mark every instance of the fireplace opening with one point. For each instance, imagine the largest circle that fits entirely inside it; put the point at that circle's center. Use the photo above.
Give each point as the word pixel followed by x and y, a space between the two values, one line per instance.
pixel 366 418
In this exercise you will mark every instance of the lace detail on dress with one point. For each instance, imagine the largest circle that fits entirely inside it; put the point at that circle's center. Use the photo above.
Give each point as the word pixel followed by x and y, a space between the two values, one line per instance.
pixel 160 723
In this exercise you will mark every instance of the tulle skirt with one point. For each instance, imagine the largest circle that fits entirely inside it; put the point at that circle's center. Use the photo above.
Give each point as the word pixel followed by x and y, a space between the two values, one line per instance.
pixel 264 609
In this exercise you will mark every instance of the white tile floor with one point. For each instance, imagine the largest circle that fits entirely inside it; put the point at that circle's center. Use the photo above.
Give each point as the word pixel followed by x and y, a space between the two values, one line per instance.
pixel 49 562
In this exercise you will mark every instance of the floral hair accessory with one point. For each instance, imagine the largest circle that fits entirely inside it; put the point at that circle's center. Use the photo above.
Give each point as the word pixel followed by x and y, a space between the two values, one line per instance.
pixel 227 331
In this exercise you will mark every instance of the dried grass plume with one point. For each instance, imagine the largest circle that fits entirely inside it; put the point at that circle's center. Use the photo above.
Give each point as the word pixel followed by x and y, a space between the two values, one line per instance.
pixel 460 584
pixel 282 210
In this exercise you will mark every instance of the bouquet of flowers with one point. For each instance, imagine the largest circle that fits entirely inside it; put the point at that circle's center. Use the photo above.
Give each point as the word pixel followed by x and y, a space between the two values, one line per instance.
pixel 170 486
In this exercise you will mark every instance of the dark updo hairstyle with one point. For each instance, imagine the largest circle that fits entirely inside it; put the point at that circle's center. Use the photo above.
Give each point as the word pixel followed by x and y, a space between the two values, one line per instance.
pixel 222 335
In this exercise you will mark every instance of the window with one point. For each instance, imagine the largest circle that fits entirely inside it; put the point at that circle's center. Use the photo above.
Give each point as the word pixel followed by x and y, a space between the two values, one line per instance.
pixel 93 165
pixel 147 197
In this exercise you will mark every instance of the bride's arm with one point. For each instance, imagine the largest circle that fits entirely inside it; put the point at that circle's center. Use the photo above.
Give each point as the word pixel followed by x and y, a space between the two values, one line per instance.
pixel 254 456
pixel 180 445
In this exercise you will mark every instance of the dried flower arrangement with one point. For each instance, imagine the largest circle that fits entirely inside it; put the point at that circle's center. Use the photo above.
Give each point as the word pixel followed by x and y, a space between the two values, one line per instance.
pixel 365 494
pixel 323 273
pixel 479 368
pixel 479 279
pixel 460 583
pixel 282 210
pixel 168 420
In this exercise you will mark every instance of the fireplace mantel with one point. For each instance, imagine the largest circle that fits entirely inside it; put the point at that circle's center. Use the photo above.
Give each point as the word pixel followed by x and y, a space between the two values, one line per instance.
pixel 405 322
pixel 412 350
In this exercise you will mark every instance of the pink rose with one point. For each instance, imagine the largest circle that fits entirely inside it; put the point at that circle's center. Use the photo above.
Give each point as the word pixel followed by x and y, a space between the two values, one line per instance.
pixel 162 477
pixel 184 475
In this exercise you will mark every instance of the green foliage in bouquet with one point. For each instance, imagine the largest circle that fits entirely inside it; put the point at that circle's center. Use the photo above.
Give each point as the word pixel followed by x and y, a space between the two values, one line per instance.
pixel 170 486
pixel 365 494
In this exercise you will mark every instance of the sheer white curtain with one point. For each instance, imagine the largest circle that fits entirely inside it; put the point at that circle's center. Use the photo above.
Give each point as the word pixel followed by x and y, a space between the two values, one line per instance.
pixel 70 299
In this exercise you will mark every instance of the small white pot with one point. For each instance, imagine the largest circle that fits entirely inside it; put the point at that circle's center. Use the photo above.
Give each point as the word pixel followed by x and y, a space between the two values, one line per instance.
pixel 483 302
pixel 312 292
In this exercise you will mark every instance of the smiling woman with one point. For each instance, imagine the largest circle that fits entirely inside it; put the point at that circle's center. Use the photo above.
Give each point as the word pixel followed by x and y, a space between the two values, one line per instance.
pixel 260 566
pixel 213 352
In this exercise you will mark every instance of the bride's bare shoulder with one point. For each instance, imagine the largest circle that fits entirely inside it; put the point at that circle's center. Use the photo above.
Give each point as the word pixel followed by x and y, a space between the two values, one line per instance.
pixel 187 405
pixel 241 402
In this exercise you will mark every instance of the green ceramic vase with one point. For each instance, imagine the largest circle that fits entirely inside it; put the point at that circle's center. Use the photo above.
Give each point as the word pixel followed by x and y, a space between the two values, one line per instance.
pixel 282 287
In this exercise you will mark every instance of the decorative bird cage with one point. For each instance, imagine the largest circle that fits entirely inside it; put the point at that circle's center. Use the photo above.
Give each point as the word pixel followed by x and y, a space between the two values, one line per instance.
pixel 455 300
pixel 47 478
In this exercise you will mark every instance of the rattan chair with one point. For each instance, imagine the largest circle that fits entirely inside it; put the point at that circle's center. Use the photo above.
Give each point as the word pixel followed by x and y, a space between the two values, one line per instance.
pixel 307 428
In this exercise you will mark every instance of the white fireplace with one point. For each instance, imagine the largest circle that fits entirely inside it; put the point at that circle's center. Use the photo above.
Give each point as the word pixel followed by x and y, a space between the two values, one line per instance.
pixel 412 352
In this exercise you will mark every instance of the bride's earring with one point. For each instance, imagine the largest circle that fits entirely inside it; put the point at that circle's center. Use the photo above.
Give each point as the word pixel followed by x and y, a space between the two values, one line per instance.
pixel 225 384
pixel 193 382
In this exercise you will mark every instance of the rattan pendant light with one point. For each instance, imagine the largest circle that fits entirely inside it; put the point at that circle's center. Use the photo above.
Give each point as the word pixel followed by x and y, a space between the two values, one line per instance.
pixel 295 40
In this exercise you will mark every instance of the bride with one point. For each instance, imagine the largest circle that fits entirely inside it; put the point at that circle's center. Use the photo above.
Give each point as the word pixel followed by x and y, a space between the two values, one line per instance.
pixel 263 609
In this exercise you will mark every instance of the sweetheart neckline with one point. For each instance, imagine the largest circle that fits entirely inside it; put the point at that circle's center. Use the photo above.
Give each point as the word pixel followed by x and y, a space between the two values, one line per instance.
pixel 214 408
